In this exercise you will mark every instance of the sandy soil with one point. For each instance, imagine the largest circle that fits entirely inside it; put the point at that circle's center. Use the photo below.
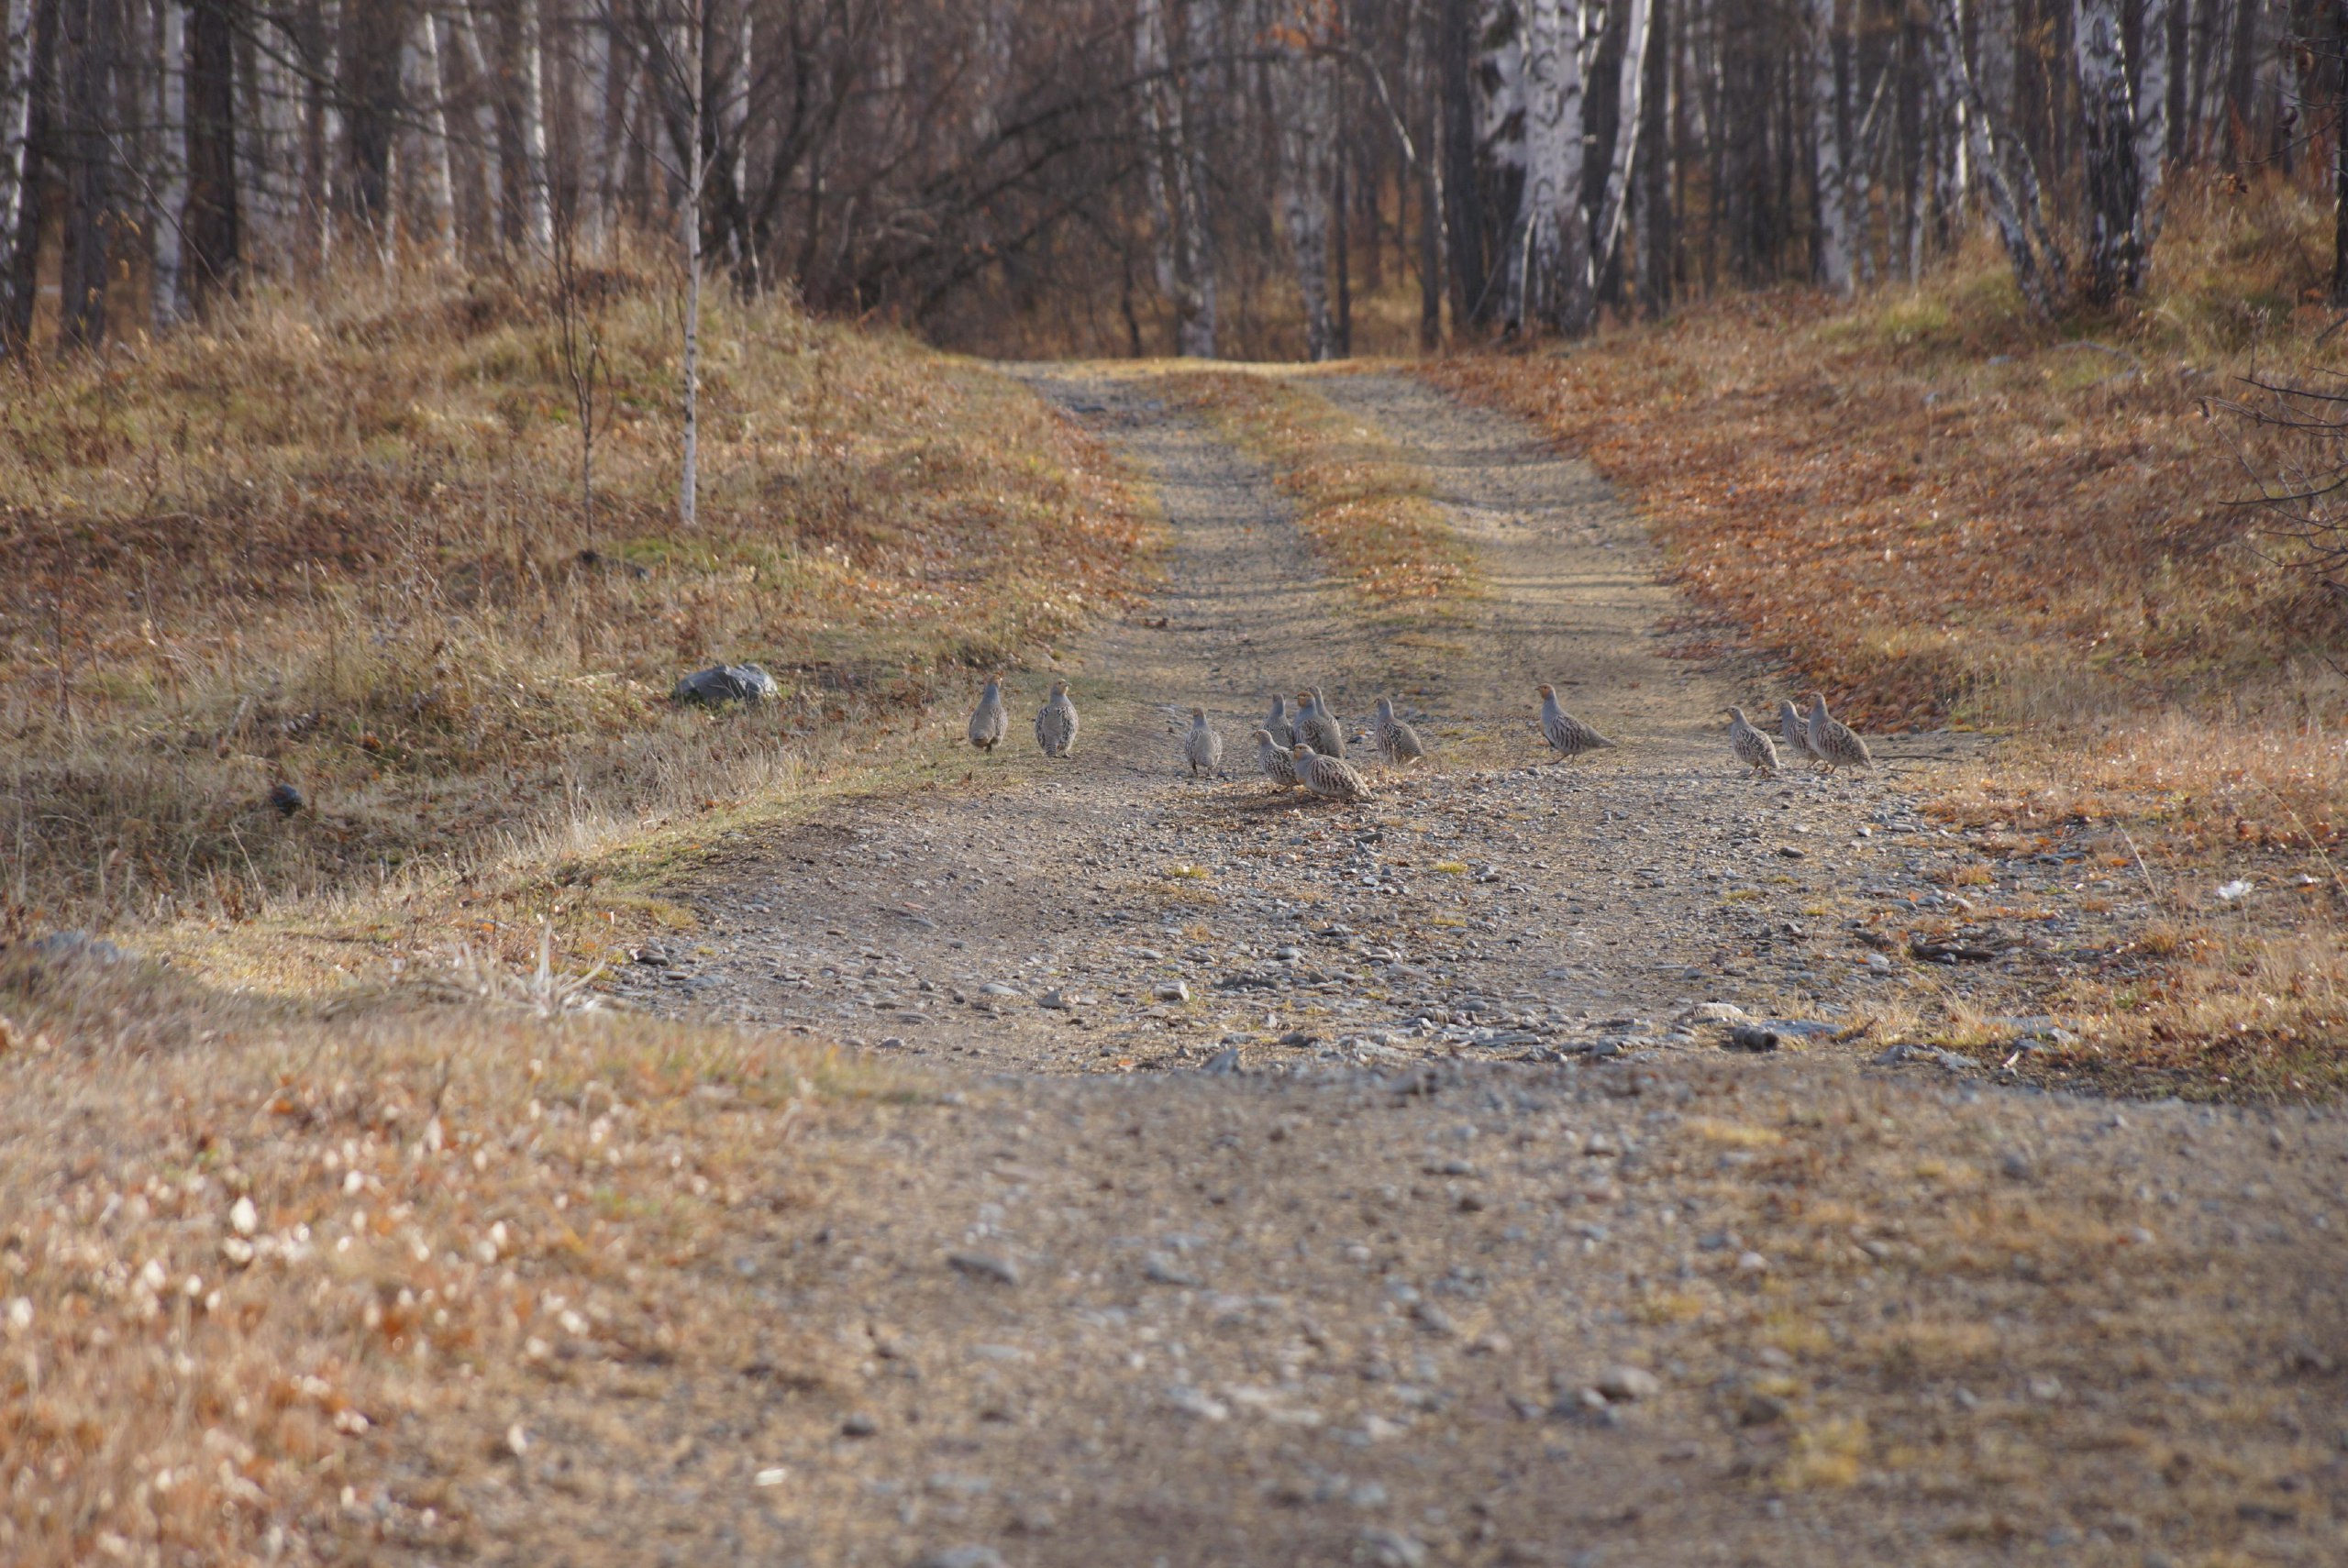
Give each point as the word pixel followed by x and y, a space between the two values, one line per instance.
pixel 1373 1184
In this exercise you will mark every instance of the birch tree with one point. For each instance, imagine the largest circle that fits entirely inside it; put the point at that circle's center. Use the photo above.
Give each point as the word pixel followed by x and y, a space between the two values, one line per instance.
pixel 2040 269
pixel 2113 216
pixel 538 189
pixel 168 184
pixel 1304 102
pixel 2152 138
pixel 424 84
pixel 1580 313
pixel 1826 127
pixel 16 105
pixel 1552 241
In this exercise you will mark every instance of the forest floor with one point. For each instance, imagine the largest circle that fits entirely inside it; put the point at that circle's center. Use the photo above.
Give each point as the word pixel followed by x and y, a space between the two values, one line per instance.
pixel 1288 1184
pixel 1215 1176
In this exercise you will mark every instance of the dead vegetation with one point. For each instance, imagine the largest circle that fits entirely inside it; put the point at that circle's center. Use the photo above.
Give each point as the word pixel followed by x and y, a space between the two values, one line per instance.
pixel 1936 513
pixel 1366 508
pixel 241 1243
pixel 335 540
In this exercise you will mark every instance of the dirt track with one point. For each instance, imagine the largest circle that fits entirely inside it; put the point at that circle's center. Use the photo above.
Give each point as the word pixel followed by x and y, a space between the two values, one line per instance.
pixel 1358 1151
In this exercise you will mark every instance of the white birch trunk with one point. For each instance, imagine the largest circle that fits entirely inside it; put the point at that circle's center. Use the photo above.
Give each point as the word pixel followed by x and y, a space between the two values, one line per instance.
pixel 1303 101
pixel 171 161
pixel 1552 239
pixel 1952 170
pixel 2152 124
pixel 1826 158
pixel 492 162
pixel 1859 211
pixel 16 105
pixel 734 128
pixel 270 151
pixel 430 91
pixel 2011 181
pixel 539 193
pixel 2112 218
pixel 1581 304
pixel 330 133
pixel 1499 68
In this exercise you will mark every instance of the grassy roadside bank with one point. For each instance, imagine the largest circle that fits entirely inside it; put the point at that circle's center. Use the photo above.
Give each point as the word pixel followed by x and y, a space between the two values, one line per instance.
pixel 335 540
pixel 1935 512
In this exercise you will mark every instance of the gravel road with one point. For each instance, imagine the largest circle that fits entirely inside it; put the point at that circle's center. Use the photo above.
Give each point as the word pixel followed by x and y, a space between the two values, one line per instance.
pixel 1298 1184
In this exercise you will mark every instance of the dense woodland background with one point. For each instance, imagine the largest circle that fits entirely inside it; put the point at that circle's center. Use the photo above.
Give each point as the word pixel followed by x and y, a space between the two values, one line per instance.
pixel 1300 178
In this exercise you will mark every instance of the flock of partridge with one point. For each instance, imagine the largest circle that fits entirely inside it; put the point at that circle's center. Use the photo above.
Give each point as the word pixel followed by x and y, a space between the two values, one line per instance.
pixel 1308 749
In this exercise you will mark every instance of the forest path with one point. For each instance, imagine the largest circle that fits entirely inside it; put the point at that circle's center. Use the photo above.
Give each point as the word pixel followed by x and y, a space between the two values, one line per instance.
pixel 1469 1244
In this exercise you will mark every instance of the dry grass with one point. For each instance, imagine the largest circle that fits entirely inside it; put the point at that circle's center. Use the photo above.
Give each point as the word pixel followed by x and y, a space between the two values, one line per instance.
pixel 446 1206
pixel 1368 509
pixel 335 539
pixel 1936 513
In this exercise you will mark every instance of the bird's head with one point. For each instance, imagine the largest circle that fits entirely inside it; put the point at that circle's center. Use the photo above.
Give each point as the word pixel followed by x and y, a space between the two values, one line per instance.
pixel 1549 693
pixel 1263 738
pixel 1060 688
pixel 1199 714
pixel 1300 751
pixel 1736 713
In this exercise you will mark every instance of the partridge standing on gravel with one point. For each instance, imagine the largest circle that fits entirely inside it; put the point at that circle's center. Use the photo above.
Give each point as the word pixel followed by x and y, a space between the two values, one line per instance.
pixel 1277 726
pixel 1203 747
pixel 1567 734
pixel 1834 743
pixel 1755 750
pixel 1398 743
pixel 1055 722
pixel 1278 765
pixel 1316 727
pixel 1794 730
pixel 1330 777
pixel 989 721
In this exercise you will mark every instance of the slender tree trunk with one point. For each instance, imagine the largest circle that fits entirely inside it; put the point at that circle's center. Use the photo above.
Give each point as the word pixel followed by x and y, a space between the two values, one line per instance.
pixel 488 129
pixel 2112 219
pixel 1161 161
pixel 16 105
pixel 689 484
pixel 38 156
pixel 168 184
pixel 374 41
pixel 1582 287
pixel 1425 42
pixel 1195 262
pixel 2151 132
pixel 1652 217
pixel 212 250
pixel 1826 130
pixel 1463 195
pixel 2340 162
pixel 2241 86
pixel 1303 103
pixel 92 40
pixel 1501 134
pixel 1952 144
pixel 428 87
pixel 1342 216
pixel 537 193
